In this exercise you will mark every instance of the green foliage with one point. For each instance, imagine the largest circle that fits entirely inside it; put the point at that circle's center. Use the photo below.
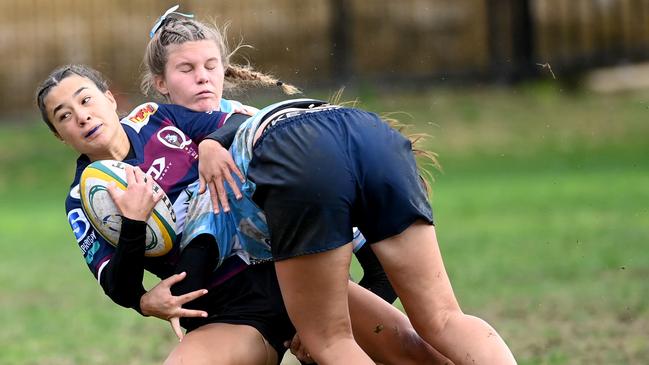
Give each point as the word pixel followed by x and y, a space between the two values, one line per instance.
pixel 541 211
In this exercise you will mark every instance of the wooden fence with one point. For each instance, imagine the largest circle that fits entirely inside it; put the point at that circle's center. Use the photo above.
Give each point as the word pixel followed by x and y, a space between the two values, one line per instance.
pixel 317 41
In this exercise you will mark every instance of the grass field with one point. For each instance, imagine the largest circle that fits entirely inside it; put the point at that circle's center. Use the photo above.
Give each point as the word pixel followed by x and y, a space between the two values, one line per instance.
pixel 542 213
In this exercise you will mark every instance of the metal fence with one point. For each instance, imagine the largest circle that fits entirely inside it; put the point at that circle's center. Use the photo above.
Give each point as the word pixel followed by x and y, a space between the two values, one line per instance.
pixel 317 41
pixel 569 35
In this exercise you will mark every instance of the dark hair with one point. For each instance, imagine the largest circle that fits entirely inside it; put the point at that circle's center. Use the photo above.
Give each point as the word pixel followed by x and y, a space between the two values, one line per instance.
pixel 55 78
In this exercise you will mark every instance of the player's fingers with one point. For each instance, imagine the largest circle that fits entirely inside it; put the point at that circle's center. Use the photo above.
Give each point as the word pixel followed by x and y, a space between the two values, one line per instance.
pixel 114 192
pixel 154 188
pixel 235 169
pixel 300 351
pixel 175 326
pixel 135 175
pixel 233 185
pixel 110 187
pixel 192 313
pixel 223 195
pixel 148 181
pixel 307 359
pixel 295 344
pixel 249 111
pixel 173 279
pixel 157 194
pixel 191 296
pixel 303 355
pixel 214 196
pixel 139 175
pixel 201 184
pixel 130 175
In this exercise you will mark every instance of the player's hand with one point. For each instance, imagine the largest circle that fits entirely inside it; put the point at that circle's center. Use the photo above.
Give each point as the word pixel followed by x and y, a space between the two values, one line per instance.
pixel 159 302
pixel 215 168
pixel 246 109
pixel 298 349
pixel 139 198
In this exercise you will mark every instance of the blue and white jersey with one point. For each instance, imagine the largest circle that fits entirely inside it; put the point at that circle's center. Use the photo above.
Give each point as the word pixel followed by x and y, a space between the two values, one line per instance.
pixel 164 145
pixel 242 231
pixel 231 106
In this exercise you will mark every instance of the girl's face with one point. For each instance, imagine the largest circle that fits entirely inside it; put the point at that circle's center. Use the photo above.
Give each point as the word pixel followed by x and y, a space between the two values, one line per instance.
pixel 83 116
pixel 193 75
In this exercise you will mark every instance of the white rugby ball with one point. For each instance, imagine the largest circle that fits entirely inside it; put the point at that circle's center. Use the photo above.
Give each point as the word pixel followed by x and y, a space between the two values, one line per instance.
pixel 106 218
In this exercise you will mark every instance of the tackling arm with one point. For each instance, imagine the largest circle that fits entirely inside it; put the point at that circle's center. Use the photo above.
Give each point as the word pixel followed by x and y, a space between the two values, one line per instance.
pixel 122 276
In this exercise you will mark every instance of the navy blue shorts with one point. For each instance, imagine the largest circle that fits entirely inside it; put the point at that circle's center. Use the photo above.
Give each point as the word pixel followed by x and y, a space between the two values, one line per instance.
pixel 320 174
pixel 253 298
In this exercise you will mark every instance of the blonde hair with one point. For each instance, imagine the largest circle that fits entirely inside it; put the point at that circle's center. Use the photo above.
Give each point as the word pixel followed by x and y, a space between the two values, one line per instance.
pixel 178 30
pixel 426 159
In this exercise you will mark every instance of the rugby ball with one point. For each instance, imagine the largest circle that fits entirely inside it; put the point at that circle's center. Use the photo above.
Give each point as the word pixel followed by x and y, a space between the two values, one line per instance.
pixel 106 218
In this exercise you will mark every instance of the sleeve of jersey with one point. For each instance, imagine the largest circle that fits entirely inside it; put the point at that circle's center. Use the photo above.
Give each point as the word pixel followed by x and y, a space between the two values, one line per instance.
pixel 196 125
pixel 106 262
pixel 225 134
pixel 122 276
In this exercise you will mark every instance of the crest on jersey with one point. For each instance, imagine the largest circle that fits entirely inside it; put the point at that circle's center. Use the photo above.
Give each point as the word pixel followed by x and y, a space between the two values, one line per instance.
pixel 173 137
pixel 139 117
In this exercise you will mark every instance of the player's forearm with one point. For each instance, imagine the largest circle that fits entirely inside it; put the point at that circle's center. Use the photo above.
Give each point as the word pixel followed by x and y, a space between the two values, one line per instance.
pixel 122 277
pixel 225 134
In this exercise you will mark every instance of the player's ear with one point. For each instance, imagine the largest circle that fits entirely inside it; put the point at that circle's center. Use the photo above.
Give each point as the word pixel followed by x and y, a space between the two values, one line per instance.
pixel 58 136
pixel 55 133
pixel 111 98
pixel 160 84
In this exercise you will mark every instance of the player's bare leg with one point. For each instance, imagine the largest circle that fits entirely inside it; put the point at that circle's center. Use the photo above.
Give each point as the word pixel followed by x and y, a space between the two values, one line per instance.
pixel 415 268
pixel 314 288
pixel 385 333
pixel 222 343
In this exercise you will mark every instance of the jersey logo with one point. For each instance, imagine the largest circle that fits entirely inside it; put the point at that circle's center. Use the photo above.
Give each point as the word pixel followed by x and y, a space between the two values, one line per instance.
pixel 173 137
pixel 79 223
pixel 90 253
pixel 139 117
pixel 157 168
pixel 74 193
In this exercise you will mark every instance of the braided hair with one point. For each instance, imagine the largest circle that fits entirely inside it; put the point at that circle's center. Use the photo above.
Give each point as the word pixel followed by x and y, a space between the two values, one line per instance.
pixel 177 30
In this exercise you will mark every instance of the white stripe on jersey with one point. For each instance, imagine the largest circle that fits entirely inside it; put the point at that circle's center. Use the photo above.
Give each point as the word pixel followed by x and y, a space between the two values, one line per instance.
pixel 101 268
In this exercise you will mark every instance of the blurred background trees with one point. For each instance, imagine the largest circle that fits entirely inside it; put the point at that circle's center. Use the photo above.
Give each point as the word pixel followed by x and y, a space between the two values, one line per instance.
pixel 541 209
pixel 332 42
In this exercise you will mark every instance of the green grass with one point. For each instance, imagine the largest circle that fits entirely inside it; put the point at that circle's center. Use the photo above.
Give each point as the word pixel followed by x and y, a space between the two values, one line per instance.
pixel 542 213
